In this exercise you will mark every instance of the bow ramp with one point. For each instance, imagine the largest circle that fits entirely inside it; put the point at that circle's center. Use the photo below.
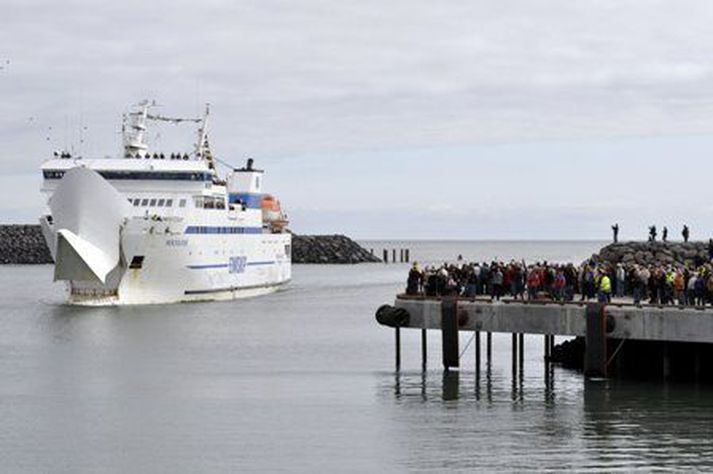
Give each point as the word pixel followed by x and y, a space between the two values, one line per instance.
pixel 85 238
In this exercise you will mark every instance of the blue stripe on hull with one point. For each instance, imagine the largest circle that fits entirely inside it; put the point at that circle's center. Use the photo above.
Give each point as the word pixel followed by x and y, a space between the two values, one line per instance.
pixel 204 229
pixel 203 267
pixel 225 265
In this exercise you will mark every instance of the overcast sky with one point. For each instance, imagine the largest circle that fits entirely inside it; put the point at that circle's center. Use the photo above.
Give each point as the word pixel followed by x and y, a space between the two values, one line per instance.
pixel 388 119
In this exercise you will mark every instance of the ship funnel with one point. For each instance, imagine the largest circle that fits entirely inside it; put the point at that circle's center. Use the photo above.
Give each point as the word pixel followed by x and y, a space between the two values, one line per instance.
pixel 87 215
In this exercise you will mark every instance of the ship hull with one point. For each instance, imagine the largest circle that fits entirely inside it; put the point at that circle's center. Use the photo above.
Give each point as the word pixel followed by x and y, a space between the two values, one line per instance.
pixel 108 253
pixel 184 268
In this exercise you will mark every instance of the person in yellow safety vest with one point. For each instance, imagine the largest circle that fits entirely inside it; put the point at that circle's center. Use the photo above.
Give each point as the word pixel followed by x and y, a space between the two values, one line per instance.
pixel 604 288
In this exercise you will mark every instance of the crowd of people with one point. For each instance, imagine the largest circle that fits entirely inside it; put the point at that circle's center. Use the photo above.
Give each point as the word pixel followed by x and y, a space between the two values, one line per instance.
pixel 656 284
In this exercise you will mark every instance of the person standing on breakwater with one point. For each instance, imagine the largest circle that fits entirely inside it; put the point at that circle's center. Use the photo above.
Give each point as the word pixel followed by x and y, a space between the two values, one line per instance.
pixel 685 233
pixel 652 233
pixel 615 230
pixel 664 234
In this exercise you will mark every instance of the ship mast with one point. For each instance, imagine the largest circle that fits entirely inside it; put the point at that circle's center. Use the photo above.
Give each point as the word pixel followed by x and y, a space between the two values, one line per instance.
pixel 134 130
pixel 203 147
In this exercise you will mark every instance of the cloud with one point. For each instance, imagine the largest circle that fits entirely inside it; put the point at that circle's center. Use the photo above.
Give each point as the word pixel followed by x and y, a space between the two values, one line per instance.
pixel 315 78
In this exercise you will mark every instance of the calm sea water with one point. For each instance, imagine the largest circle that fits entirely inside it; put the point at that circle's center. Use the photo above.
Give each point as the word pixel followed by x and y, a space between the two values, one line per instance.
pixel 303 380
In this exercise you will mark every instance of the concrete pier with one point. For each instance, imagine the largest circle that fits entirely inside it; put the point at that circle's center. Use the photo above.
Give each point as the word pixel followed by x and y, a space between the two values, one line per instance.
pixel 645 322
pixel 604 327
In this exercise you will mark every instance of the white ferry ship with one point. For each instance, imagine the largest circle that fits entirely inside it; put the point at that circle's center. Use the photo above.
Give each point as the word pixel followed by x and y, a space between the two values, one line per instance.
pixel 150 227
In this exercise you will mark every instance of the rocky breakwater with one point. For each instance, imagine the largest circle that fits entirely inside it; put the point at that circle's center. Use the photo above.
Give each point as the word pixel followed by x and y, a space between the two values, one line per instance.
pixel 328 249
pixel 21 244
pixel 24 244
pixel 654 253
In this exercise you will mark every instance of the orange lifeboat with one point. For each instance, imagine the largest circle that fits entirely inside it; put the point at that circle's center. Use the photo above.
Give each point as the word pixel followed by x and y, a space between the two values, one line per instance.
pixel 272 214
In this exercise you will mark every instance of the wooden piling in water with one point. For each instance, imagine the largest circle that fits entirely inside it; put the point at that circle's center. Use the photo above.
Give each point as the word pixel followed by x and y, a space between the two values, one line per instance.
pixel 514 355
pixel 424 351
pixel 521 353
pixel 397 336
pixel 489 348
pixel 477 353
pixel 595 357
pixel 449 332
pixel 547 348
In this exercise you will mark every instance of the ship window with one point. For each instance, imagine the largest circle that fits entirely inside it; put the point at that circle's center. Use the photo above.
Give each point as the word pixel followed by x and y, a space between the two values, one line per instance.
pixel 169 202
pixel 137 202
pixel 161 202
pixel 209 203
pixel 182 203
pixel 198 201
pixel 219 203
pixel 144 202
pixel 152 203
pixel 137 262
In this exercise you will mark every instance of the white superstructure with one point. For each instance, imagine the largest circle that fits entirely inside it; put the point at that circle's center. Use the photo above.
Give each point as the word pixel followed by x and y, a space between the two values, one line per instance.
pixel 155 228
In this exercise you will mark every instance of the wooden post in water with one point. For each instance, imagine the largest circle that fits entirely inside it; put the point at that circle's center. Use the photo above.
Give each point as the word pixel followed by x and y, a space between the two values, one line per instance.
pixel 595 354
pixel 398 348
pixel 546 360
pixel 547 348
pixel 424 351
pixel 489 348
pixel 477 353
pixel 514 355
pixel 449 332
pixel 521 353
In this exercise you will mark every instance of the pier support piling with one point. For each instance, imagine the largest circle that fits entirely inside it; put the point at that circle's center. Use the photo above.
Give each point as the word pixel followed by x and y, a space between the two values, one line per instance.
pixel 424 351
pixel 477 353
pixel 548 354
pixel 386 256
pixel 521 353
pixel 449 332
pixel 397 336
pixel 408 255
pixel 489 348
pixel 514 355
pixel 595 354
pixel 393 255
